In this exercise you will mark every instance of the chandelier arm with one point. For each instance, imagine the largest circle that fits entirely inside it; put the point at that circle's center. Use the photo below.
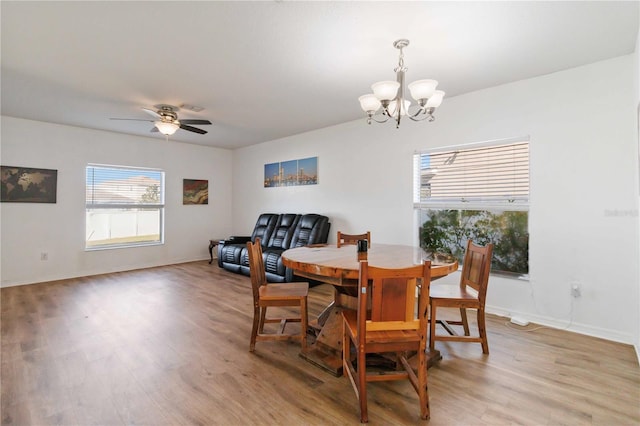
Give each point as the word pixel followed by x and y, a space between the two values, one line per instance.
pixel 415 118
pixel 420 110
pixel 373 117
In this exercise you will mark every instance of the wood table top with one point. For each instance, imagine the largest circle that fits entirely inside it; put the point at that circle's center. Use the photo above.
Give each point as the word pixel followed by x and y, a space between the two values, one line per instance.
pixel 341 263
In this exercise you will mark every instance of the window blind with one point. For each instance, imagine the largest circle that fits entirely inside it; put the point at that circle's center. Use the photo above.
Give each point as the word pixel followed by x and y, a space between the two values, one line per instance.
pixel 495 174
pixel 124 186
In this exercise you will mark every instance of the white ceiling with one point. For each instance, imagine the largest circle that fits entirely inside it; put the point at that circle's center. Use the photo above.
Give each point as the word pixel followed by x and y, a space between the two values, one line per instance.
pixel 266 70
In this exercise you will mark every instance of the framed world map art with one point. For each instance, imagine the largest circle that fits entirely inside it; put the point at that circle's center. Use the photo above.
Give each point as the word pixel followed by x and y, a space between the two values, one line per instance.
pixel 28 185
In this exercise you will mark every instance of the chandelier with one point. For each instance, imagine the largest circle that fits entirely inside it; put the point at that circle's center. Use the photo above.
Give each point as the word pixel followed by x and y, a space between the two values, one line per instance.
pixel 390 96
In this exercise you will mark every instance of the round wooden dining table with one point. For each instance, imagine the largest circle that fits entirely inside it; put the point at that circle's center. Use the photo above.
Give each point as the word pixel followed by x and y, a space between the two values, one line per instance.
pixel 339 266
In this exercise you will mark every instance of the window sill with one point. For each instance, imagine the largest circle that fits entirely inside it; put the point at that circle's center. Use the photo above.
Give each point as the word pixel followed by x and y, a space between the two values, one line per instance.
pixel 122 246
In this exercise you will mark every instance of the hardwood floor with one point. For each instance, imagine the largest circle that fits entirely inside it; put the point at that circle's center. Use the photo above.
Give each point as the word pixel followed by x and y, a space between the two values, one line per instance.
pixel 170 345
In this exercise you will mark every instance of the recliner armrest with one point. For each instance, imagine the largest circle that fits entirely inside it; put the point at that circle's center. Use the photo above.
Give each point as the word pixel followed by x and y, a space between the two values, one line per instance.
pixel 237 239
pixel 228 249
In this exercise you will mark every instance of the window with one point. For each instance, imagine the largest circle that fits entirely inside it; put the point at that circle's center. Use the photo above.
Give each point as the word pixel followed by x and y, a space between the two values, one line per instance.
pixel 125 206
pixel 478 192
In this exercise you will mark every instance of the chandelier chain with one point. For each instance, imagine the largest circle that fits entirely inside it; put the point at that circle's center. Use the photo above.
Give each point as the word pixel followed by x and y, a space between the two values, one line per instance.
pixel 401 66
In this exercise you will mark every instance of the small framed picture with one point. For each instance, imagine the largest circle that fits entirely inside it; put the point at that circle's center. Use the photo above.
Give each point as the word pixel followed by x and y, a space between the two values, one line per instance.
pixel 195 191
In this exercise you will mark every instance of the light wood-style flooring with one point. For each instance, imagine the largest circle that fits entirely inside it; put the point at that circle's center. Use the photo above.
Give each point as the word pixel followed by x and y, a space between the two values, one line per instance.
pixel 170 346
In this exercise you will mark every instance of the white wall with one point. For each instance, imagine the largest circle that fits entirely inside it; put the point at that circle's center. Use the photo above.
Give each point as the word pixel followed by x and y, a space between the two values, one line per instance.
pixel 584 187
pixel 584 183
pixel 27 230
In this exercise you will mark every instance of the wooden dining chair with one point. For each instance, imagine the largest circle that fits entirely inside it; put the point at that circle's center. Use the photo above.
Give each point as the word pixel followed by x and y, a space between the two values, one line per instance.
pixel 470 294
pixel 281 295
pixel 395 323
pixel 351 239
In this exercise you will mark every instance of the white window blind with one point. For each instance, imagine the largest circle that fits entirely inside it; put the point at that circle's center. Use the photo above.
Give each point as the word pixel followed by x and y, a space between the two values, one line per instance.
pixel 124 186
pixel 487 174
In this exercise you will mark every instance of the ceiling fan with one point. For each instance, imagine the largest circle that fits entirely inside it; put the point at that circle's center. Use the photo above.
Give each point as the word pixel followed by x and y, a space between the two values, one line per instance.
pixel 166 120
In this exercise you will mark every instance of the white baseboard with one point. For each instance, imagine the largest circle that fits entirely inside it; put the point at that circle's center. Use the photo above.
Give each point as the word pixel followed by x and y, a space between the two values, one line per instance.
pixel 88 273
pixel 602 333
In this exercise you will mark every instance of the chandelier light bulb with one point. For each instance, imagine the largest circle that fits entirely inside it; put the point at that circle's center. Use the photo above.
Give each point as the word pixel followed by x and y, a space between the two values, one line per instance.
pixel 422 89
pixel 369 103
pixel 385 90
pixel 436 99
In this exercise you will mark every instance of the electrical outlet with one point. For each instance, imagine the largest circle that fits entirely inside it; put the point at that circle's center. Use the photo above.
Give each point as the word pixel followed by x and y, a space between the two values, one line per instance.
pixel 44 256
pixel 576 290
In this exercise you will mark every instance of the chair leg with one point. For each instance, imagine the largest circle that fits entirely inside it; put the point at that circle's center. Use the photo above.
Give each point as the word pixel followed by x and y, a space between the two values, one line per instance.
pixel 423 388
pixel 465 321
pixel 263 316
pixel 303 323
pixel 346 349
pixel 362 385
pixel 254 329
pixel 432 328
pixel 482 330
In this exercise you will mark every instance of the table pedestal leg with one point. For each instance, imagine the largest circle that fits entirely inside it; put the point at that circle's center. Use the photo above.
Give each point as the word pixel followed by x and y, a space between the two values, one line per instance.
pixel 326 351
pixel 433 357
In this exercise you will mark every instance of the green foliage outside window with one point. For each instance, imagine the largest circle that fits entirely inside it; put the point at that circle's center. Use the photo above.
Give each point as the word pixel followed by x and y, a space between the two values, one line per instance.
pixel 447 231
pixel 152 194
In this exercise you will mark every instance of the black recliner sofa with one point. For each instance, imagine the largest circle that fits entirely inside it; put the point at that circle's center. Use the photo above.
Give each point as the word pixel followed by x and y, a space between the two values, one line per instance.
pixel 277 233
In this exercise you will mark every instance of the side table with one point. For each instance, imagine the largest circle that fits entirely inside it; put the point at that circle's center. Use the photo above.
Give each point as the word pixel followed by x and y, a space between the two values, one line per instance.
pixel 212 244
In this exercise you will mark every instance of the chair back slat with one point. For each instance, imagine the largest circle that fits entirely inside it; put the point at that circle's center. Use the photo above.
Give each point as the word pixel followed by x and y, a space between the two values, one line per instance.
pixel 476 268
pixel 352 239
pixel 393 297
pixel 257 271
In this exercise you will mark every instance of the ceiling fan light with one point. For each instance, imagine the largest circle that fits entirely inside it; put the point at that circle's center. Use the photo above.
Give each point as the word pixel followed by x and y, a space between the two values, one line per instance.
pixel 422 89
pixel 385 90
pixel 369 103
pixel 436 99
pixel 166 128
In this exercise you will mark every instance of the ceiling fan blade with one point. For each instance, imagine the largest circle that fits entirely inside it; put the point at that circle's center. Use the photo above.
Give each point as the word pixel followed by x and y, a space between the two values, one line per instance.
pixel 194 121
pixel 152 113
pixel 192 129
pixel 131 119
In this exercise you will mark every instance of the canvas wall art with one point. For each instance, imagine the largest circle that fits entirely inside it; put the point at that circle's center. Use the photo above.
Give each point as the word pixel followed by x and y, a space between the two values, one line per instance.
pixel 195 191
pixel 28 185
pixel 291 173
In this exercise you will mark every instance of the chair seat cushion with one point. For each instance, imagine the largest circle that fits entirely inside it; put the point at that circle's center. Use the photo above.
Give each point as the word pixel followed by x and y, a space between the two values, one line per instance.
pixel 284 291
pixel 448 291
pixel 351 320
